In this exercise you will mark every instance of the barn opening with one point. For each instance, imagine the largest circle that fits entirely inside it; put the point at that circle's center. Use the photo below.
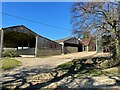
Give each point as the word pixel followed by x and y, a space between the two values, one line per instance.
pixel 22 42
pixel 20 39
pixel 71 47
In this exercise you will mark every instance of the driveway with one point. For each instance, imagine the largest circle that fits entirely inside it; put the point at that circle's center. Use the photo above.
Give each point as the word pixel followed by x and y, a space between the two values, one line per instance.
pixel 50 62
pixel 54 61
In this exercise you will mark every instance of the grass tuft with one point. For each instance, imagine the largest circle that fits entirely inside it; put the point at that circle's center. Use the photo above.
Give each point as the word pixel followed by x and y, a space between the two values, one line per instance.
pixel 8 63
pixel 65 66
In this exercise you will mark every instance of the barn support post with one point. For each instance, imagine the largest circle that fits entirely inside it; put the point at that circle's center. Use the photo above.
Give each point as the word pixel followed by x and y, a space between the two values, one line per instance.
pixel 22 44
pixel 83 47
pixel 28 44
pixel 62 48
pixel 36 46
pixel 1 43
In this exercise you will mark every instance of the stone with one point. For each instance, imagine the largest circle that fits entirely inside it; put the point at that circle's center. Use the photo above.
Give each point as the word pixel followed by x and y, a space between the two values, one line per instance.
pixel 52 85
pixel 25 85
pixel 60 73
pixel 89 61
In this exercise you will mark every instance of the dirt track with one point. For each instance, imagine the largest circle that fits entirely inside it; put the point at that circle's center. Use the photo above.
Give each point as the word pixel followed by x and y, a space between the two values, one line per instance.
pixel 55 60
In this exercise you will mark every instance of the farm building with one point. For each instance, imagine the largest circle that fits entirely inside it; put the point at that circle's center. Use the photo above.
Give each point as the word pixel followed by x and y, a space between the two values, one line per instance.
pixel 73 44
pixel 88 42
pixel 70 45
pixel 27 42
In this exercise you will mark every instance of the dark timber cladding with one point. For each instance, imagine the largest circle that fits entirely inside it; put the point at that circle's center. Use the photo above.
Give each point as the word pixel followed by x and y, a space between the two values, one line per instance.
pixel 27 42
pixel 70 45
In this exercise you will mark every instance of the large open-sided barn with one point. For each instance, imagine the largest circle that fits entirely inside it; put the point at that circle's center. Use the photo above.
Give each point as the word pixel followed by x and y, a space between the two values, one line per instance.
pixel 27 42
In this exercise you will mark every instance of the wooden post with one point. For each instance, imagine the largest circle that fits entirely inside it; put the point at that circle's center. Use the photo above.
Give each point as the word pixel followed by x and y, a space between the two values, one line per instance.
pixel 1 42
pixel 36 46
pixel 83 47
pixel 28 44
pixel 22 44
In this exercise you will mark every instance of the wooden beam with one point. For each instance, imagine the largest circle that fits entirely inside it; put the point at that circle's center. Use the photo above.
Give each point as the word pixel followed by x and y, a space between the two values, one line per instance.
pixel 28 44
pixel 36 46
pixel 1 42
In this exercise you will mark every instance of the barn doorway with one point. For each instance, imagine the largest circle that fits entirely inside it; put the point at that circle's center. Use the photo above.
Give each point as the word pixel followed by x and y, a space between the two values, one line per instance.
pixel 70 48
pixel 23 43
pixel 80 48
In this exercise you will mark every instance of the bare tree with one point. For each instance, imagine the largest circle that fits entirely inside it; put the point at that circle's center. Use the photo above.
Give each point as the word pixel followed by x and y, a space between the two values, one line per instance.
pixel 99 18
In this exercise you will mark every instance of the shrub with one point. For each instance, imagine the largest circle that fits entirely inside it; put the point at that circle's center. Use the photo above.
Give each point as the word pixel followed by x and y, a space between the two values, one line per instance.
pixel 10 53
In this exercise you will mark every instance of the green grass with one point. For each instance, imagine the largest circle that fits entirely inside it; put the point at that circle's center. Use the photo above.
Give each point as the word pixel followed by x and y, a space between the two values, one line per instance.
pixel 115 70
pixel 84 72
pixel 8 63
pixel 66 65
pixel 87 69
pixel 92 72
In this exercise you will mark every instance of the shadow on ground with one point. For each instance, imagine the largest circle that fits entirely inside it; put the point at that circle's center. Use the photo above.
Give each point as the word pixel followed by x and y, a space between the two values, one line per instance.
pixel 19 76
pixel 66 80
pixel 73 83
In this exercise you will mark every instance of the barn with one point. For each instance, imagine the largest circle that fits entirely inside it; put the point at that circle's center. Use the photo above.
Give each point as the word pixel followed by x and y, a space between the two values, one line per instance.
pixel 27 42
pixel 70 45
pixel 89 42
pixel 73 44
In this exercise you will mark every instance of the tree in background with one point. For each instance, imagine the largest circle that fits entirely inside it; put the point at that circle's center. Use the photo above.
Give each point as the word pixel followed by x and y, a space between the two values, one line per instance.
pixel 99 18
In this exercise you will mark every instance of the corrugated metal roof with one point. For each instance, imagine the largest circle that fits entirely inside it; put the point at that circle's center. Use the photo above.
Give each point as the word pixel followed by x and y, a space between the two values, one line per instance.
pixel 64 39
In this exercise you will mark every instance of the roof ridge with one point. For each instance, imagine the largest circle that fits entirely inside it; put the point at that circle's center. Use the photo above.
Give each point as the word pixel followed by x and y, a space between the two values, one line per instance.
pixel 13 26
pixel 64 39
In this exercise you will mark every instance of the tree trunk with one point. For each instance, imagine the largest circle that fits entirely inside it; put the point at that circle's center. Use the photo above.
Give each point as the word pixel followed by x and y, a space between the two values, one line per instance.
pixel 117 42
pixel 117 47
pixel 118 35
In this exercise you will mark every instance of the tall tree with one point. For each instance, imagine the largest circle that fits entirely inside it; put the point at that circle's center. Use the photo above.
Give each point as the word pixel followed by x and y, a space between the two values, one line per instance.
pixel 99 18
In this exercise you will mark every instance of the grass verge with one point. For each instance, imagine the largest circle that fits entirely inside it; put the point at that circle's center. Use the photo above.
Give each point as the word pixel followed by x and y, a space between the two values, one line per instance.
pixel 65 66
pixel 86 70
pixel 91 72
pixel 8 63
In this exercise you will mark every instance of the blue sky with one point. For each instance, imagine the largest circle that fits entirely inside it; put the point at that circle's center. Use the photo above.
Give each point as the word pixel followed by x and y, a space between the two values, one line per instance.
pixel 57 14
